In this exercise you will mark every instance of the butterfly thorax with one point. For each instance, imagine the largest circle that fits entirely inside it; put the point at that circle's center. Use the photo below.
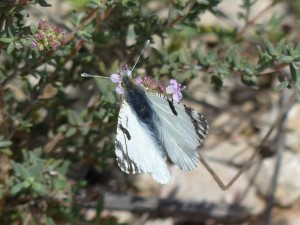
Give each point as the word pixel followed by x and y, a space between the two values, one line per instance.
pixel 137 99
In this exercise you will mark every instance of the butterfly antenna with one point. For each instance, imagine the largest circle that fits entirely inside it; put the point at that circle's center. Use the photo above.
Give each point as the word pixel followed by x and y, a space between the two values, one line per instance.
pixel 145 46
pixel 90 75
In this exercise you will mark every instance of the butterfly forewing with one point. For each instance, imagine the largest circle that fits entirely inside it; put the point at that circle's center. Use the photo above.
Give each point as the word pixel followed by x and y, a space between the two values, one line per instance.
pixel 136 151
pixel 182 130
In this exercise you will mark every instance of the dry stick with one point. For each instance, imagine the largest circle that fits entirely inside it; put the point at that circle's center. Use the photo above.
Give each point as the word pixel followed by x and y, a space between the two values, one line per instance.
pixel 180 18
pixel 279 151
pixel 4 158
pixel 259 148
pixel 274 69
pixel 253 20
pixel 86 21
pixel 159 207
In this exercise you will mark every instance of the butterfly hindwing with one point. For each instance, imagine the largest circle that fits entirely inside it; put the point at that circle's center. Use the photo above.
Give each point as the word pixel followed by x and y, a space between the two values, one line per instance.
pixel 136 150
pixel 182 130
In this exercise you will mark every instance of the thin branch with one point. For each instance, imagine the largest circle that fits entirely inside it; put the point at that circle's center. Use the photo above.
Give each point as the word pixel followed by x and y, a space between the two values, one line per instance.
pixel 4 159
pixel 180 18
pixel 279 152
pixel 158 207
pixel 281 115
pixel 255 18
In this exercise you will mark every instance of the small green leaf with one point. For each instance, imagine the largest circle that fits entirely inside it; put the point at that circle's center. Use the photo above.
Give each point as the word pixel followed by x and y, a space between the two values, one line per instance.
pixel 294 73
pixel 70 132
pixel 203 2
pixel 50 221
pixel 73 117
pixel 6 40
pixel 285 59
pixel 23 41
pixel 33 28
pixel 165 69
pixel 250 81
pixel 297 50
pixel 20 170
pixel 5 144
pixel 183 57
pixel 85 35
pixel 85 130
pixel 280 47
pixel 39 188
pixel 18 187
pixel 282 86
pixel 270 48
pixel 6 151
pixel 248 71
pixel 36 169
pixel 10 48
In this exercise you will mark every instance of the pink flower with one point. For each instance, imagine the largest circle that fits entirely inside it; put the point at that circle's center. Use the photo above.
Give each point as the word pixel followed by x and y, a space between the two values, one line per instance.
pixel 48 37
pixel 34 44
pixel 175 89
pixel 117 79
pixel 138 80
pixel 153 85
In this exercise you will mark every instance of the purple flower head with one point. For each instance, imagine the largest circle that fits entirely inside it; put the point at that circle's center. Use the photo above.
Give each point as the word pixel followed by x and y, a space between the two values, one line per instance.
pixel 117 79
pixel 34 44
pixel 42 24
pixel 149 84
pixel 48 37
pixel 138 80
pixel 40 35
pixel 175 89
pixel 153 85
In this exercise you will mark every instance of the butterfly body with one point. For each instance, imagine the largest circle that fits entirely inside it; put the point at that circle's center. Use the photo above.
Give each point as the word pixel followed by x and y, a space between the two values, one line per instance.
pixel 139 103
pixel 142 108
pixel 151 127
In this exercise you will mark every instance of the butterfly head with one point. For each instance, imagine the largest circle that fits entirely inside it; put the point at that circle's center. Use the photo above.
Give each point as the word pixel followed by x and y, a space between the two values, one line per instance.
pixel 124 81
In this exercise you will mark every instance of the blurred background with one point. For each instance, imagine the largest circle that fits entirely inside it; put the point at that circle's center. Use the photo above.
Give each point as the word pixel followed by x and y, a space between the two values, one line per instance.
pixel 240 63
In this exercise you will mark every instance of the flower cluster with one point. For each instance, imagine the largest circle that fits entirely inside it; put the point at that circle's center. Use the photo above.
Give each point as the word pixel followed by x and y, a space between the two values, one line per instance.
pixel 47 37
pixel 153 85
pixel 174 88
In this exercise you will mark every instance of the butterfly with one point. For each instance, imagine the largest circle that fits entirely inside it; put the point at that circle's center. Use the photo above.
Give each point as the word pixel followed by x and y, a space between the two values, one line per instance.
pixel 153 127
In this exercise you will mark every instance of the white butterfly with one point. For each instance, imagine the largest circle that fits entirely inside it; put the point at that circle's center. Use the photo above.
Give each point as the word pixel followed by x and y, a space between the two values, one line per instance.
pixel 152 126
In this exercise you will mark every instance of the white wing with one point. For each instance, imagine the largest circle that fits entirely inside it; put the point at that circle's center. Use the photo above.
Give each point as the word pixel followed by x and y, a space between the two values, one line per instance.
pixel 136 151
pixel 182 129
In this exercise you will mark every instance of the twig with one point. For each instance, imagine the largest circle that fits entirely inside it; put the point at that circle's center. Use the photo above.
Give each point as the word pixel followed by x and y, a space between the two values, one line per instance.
pixel 218 180
pixel 253 20
pixel 195 211
pixel 180 18
pixel 279 151
pixel 85 22
pixel 4 159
